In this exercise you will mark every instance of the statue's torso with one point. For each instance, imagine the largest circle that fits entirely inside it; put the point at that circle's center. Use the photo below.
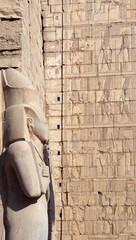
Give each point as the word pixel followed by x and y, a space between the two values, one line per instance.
pixel 26 216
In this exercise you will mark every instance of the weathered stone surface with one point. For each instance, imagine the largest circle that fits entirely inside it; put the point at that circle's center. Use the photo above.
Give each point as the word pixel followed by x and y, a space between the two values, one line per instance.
pixel 10 35
pixel 95 52
pixel 90 78
pixel 10 9
pixel 27 176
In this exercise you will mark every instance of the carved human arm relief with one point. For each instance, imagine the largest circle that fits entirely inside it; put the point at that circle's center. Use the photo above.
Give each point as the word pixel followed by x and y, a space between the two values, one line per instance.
pixel 20 158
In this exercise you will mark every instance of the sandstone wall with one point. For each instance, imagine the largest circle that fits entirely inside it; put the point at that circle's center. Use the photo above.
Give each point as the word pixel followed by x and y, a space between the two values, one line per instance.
pixel 90 79
pixel 90 69
pixel 32 52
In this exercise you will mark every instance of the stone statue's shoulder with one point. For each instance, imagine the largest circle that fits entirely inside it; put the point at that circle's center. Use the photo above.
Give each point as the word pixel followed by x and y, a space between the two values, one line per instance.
pixel 19 148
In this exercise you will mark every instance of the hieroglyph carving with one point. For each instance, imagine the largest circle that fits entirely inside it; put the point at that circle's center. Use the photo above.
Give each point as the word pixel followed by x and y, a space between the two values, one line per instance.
pixel 25 132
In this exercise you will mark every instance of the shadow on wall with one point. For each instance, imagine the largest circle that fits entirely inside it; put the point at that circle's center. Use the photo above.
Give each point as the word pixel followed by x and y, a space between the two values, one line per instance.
pixel 51 204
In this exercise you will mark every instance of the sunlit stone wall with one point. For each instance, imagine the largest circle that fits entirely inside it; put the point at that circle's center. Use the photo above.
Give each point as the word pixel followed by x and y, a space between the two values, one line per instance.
pixel 90 78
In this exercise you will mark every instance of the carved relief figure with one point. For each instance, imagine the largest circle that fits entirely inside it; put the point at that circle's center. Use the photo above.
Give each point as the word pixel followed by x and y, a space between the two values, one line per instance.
pixel 26 173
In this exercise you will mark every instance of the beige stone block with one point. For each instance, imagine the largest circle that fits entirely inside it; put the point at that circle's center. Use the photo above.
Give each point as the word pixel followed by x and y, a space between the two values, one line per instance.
pixel 119 185
pixel 58 200
pixel 88 70
pixel 52 98
pixel 88 172
pixel 83 32
pixel 49 34
pixel 72 2
pixel 120 226
pixel 75 84
pixel 127 146
pixel 57 2
pixel 71 71
pixel 67 85
pixel 109 68
pixel 89 227
pixel 52 72
pixel 58 211
pixel 67 135
pixel 115 95
pixel 55 46
pixel 78 160
pixel 12 40
pixel 93 213
pixel 53 59
pixel 53 86
pixel 67 110
pixel 10 9
pixel 73 173
pixel 45 6
pixel 79 186
pixel 58 31
pixel 88 44
pixel 66 236
pixel 75 200
pixel 131 4
pixel 54 148
pixel 8 60
pixel 78 214
pixel 128 67
pixel 104 120
pixel 56 173
pixel 93 84
pixel 77 57
pixel 77 228
pixel 80 237
pixel 56 160
pixel 118 198
pixel 83 83
pixel 102 186
pixel 120 171
pixel 58 19
pixel 54 110
pixel 58 185
pixel 66 226
pixel 55 135
pixel 77 17
pixel 119 42
pixel 100 12
pixel 71 97
pixel 68 33
pixel 67 160
pixel 70 45
pixel 67 214
pixel 54 122
pixel 91 97
pixel 114 12
pixel 56 8
pixel 48 21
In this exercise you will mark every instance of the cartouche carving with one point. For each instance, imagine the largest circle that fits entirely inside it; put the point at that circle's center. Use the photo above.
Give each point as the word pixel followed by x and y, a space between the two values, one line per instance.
pixel 25 132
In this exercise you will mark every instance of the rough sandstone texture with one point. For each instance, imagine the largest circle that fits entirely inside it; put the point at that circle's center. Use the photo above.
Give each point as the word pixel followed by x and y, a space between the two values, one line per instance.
pixel 90 84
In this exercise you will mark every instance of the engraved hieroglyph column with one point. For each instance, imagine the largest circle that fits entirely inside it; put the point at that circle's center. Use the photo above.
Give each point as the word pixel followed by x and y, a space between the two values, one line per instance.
pixel 27 176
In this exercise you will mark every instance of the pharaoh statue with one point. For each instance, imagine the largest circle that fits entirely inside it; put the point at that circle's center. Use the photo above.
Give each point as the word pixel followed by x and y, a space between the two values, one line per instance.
pixel 27 176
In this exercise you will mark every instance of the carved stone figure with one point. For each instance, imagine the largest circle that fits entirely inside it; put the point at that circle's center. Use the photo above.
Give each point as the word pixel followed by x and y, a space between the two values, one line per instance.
pixel 27 176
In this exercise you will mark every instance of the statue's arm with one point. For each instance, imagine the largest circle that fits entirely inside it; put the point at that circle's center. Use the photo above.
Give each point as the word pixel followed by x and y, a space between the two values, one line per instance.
pixel 21 159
